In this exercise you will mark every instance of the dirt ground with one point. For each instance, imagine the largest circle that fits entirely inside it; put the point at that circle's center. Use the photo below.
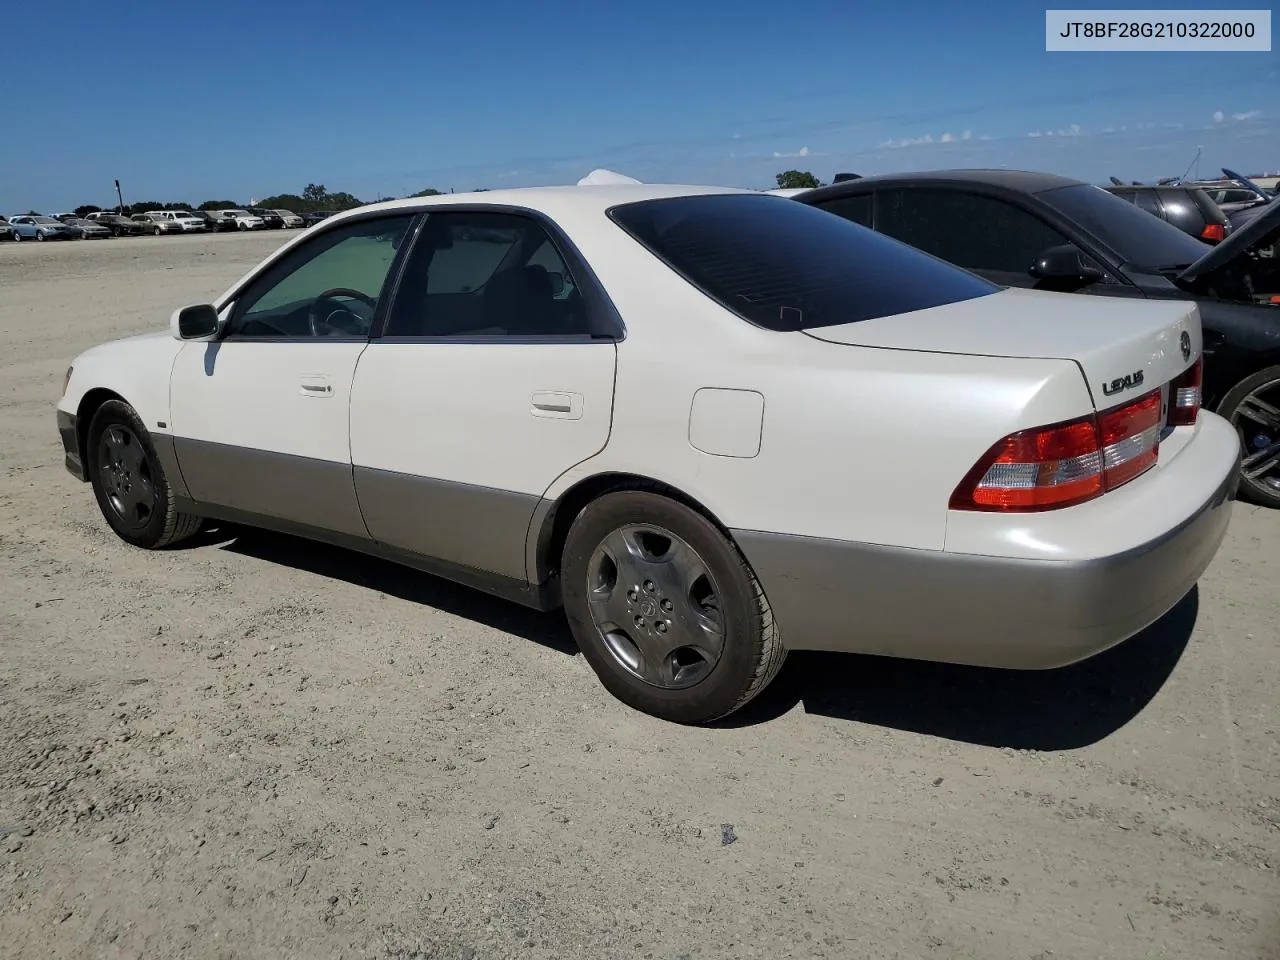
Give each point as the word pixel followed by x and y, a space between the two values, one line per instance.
pixel 261 748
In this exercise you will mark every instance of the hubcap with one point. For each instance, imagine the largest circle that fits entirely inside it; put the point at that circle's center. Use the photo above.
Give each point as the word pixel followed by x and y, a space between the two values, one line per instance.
pixel 1258 420
pixel 656 606
pixel 126 476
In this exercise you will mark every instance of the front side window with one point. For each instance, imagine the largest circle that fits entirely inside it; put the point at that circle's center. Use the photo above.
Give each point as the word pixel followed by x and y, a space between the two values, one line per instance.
pixel 971 230
pixel 785 265
pixel 480 274
pixel 1136 236
pixel 328 287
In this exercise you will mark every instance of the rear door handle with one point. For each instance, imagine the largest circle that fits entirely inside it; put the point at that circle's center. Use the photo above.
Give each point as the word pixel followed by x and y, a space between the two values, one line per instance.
pixel 556 403
pixel 316 385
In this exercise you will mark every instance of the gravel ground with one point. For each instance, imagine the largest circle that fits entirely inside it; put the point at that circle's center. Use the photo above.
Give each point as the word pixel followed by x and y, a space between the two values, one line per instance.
pixel 262 748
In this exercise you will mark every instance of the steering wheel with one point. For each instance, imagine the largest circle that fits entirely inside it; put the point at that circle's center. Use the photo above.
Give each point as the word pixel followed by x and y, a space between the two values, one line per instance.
pixel 327 315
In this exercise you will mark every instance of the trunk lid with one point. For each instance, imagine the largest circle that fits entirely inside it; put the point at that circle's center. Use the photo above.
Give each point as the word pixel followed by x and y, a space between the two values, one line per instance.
pixel 1257 238
pixel 1124 347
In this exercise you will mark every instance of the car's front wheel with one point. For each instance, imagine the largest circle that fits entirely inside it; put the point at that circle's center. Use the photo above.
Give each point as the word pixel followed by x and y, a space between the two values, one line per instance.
pixel 129 482
pixel 1253 407
pixel 666 610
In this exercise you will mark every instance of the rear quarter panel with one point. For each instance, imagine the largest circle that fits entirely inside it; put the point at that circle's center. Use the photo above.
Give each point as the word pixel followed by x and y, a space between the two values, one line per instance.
pixel 857 443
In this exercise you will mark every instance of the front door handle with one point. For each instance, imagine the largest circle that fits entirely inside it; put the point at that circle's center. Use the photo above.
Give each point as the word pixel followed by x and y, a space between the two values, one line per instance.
pixel 557 403
pixel 316 385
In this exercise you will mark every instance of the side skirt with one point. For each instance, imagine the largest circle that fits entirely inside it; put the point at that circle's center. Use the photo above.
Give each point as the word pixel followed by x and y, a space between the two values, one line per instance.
pixel 544 597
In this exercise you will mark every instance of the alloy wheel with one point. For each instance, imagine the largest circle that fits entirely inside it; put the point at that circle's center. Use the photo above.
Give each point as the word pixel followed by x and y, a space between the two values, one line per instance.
pixel 1257 418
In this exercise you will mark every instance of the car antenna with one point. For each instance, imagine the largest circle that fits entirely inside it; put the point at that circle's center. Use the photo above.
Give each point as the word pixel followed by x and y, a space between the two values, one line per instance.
pixel 1117 181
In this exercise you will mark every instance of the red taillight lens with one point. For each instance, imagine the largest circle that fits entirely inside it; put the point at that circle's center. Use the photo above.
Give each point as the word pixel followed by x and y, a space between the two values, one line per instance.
pixel 1130 439
pixel 1067 463
pixel 1213 232
pixel 1185 393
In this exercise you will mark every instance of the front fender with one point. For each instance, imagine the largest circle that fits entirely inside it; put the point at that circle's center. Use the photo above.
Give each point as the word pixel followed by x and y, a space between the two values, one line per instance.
pixel 136 369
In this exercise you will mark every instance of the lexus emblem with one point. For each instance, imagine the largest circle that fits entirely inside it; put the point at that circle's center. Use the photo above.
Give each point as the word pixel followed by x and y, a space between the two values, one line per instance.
pixel 1184 342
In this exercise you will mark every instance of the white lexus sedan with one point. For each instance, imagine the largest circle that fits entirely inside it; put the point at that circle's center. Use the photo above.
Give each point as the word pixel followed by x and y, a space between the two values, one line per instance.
pixel 714 425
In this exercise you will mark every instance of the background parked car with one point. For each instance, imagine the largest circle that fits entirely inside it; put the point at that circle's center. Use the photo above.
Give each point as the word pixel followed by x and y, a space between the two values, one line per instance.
pixel 154 223
pixel 1047 232
pixel 118 225
pixel 87 229
pixel 183 218
pixel 213 224
pixel 243 218
pixel 270 218
pixel 315 216
pixel 291 219
pixel 6 231
pixel 39 227
pixel 1188 208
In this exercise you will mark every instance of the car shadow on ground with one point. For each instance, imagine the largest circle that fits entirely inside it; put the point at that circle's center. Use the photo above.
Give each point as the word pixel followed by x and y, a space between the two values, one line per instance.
pixel 405 583
pixel 1060 709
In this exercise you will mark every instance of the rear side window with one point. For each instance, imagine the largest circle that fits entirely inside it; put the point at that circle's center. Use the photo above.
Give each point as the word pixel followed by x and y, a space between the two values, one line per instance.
pixel 787 266
pixel 857 208
pixel 1182 211
pixel 1149 202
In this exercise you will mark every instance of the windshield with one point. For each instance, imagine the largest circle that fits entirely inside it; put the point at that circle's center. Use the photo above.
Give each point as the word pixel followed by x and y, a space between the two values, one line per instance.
pixel 45 220
pixel 787 266
pixel 1139 237
pixel 283 213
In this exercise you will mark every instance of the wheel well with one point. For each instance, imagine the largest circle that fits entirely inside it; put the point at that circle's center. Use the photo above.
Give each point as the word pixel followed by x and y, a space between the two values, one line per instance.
pixel 554 530
pixel 89 405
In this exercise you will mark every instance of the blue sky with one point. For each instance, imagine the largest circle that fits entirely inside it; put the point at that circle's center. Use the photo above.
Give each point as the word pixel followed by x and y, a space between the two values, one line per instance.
pixel 228 100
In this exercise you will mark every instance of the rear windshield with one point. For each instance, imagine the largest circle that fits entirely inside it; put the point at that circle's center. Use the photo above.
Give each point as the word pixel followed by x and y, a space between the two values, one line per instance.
pixel 1137 236
pixel 787 266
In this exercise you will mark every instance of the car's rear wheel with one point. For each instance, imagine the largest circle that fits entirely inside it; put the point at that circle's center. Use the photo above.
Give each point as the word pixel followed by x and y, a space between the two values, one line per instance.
pixel 129 483
pixel 666 610
pixel 1253 407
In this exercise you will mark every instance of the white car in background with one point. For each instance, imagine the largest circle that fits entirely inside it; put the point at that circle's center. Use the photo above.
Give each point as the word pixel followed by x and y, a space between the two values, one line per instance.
pixel 185 221
pixel 712 425
pixel 243 218
pixel 291 219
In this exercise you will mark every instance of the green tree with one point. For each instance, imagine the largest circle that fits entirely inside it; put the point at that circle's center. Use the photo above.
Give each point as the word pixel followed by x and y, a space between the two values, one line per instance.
pixel 87 209
pixel 218 205
pixel 429 192
pixel 797 179
pixel 286 201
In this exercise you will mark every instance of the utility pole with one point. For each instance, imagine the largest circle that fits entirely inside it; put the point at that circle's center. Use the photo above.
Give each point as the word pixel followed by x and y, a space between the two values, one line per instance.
pixel 120 197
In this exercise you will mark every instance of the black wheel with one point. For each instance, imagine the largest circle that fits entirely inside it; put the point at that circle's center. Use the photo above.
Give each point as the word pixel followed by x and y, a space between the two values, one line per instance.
pixel 1253 407
pixel 129 483
pixel 666 610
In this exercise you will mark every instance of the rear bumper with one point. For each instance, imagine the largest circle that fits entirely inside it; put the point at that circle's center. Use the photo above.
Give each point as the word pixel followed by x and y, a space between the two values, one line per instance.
pixel 987 610
pixel 67 430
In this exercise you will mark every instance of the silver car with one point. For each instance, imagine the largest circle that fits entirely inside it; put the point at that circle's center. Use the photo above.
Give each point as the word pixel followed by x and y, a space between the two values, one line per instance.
pixel 87 229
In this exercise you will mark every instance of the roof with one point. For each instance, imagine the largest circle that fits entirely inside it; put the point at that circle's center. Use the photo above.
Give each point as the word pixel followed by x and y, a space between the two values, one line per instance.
pixel 1025 181
pixel 553 201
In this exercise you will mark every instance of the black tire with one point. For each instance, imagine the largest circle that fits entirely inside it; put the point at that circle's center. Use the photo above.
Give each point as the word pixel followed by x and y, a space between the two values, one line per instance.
pixel 752 651
pixel 1255 490
pixel 161 525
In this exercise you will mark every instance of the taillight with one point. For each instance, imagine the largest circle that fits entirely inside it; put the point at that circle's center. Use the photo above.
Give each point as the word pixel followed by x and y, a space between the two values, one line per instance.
pixel 1063 464
pixel 1213 232
pixel 1185 393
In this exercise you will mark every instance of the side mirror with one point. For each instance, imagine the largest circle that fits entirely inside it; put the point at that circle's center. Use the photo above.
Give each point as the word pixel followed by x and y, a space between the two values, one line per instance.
pixel 1065 263
pixel 557 283
pixel 197 322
